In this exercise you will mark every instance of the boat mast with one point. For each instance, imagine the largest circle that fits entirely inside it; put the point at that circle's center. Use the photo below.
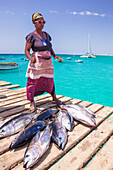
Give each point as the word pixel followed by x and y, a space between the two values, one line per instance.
pixel 88 44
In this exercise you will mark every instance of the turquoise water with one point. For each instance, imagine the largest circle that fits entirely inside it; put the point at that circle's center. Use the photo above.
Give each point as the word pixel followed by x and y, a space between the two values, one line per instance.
pixel 91 80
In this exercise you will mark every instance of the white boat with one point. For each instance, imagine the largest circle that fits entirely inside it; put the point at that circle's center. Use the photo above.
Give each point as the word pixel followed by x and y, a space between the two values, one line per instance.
pixel 88 54
pixel 69 58
pixel 78 61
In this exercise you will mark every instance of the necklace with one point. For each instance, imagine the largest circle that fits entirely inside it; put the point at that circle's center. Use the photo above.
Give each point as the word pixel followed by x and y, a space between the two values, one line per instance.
pixel 40 36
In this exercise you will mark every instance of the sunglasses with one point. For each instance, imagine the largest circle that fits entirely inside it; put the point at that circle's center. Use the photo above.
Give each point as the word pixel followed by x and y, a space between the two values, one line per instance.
pixel 40 22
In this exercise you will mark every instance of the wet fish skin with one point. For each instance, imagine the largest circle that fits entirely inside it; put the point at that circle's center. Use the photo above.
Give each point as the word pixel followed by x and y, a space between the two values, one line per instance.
pixel 59 135
pixel 27 133
pixel 15 124
pixel 46 114
pixel 81 114
pixel 65 119
pixel 37 147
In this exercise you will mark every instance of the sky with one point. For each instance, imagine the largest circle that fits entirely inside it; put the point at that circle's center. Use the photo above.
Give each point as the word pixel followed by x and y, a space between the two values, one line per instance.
pixel 67 21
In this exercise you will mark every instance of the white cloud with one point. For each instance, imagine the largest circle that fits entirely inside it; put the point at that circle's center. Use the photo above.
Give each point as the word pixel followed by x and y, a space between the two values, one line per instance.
pixel 102 15
pixel 96 14
pixel 81 13
pixel 6 12
pixel 88 13
pixel 53 11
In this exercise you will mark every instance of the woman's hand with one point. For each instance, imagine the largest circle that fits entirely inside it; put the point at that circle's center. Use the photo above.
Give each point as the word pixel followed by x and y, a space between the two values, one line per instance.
pixel 57 57
pixel 33 59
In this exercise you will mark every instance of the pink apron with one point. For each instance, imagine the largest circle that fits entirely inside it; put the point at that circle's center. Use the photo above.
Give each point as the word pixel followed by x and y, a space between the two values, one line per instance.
pixel 40 75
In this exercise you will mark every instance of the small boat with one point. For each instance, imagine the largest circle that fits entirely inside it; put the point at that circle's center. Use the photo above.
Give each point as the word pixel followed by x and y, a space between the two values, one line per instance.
pixel 69 58
pixel 10 63
pixel 88 54
pixel 78 61
pixel 3 58
pixel 22 58
pixel 8 66
pixel 26 59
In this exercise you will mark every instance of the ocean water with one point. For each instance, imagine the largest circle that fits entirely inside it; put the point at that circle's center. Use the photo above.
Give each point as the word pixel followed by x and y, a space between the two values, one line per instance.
pixel 91 80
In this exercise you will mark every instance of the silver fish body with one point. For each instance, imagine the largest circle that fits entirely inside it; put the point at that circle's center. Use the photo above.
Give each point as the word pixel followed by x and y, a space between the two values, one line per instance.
pixel 81 114
pixel 65 119
pixel 27 134
pixel 37 147
pixel 15 125
pixel 59 135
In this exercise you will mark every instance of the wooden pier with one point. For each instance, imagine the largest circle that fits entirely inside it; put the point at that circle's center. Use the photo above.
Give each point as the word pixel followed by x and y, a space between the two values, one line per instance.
pixel 87 148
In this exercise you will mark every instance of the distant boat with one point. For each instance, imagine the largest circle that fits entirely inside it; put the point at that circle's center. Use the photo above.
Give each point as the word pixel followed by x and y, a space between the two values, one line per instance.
pixel 69 58
pixel 88 54
pixel 22 58
pixel 3 58
pixel 26 59
pixel 8 66
pixel 10 63
pixel 78 61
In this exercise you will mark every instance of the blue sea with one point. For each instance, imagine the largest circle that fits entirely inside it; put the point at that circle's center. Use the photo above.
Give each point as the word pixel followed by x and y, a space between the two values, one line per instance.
pixel 91 80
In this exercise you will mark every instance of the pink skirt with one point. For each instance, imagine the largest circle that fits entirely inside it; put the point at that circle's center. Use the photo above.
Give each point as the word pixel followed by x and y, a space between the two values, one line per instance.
pixel 39 86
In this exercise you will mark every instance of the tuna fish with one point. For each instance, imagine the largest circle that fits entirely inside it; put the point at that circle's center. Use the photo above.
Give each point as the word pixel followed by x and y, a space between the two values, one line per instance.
pixel 81 114
pixel 59 135
pixel 27 133
pixel 65 119
pixel 37 147
pixel 46 114
pixel 16 124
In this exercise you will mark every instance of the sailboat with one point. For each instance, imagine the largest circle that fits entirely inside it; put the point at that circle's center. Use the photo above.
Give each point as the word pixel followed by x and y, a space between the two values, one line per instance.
pixel 88 54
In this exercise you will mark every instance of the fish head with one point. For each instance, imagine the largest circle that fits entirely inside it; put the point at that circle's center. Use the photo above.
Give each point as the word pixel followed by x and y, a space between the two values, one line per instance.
pixel 3 132
pixel 62 140
pixel 12 145
pixel 29 160
pixel 68 125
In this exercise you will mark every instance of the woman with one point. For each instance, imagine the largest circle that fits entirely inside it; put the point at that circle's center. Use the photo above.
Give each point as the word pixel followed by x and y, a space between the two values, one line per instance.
pixel 40 68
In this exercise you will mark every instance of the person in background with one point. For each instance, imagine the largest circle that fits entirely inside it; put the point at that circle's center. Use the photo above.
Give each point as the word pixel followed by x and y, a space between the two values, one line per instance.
pixel 40 68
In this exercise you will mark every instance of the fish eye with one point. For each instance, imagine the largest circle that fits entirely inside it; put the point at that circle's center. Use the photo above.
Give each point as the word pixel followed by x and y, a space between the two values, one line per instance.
pixel 27 155
pixel 60 138
pixel 3 130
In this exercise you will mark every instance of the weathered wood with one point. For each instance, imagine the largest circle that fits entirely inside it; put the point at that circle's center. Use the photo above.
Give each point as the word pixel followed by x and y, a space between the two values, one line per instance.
pixel 11 86
pixel 54 153
pixel 24 106
pixel 19 153
pixel 20 103
pixel 11 102
pixel 12 97
pixel 4 83
pixel 104 158
pixel 7 94
pixel 5 142
pixel 79 155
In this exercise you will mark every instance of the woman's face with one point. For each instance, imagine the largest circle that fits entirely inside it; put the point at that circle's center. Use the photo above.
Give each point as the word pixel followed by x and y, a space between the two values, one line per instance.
pixel 39 24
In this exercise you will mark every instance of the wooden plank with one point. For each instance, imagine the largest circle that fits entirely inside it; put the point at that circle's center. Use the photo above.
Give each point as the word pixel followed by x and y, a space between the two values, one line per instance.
pixel 22 106
pixel 4 143
pixel 4 90
pixel 5 104
pixel 11 93
pixel 104 158
pixel 80 154
pixel 11 86
pixel 4 83
pixel 12 97
pixel 17 104
pixel 53 151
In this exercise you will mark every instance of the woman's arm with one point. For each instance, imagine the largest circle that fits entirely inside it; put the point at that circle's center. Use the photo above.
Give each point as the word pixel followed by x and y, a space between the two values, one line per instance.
pixel 27 52
pixel 55 57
